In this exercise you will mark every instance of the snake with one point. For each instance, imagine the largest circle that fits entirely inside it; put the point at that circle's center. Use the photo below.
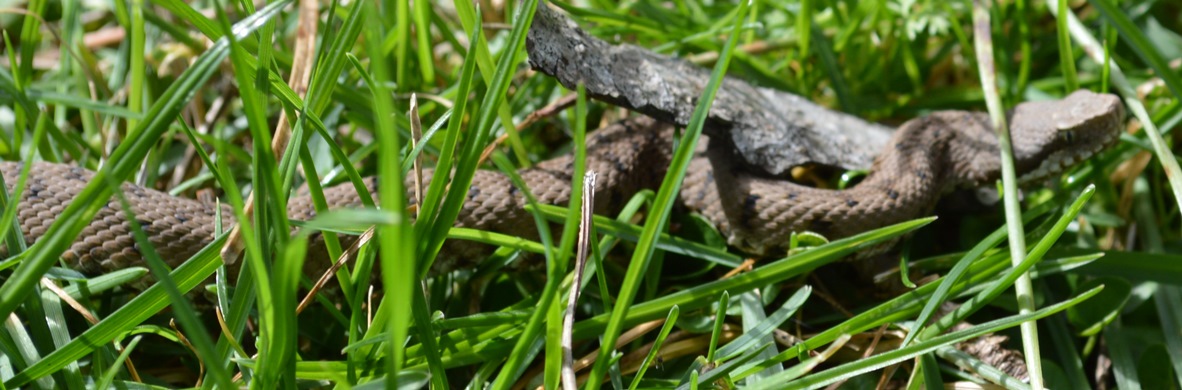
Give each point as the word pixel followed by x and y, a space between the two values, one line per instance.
pixel 925 158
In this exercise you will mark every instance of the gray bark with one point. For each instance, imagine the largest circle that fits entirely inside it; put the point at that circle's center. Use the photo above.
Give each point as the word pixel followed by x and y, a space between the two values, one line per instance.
pixel 772 130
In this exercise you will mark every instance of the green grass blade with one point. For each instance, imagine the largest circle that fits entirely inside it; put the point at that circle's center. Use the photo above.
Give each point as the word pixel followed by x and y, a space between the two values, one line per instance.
pixel 109 376
pixel 804 25
pixel 30 40
pixel 1124 365
pixel 664 203
pixel 752 336
pixel 544 313
pixel 945 287
pixel 399 31
pixel 105 281
pixel 184 12
pixel 60 99
pixel 670 320
pixel 422 23
pixel 1067 357
pixel 105 381
pixel 9 226
pixel 480 50
pixel 665 241
pixel 969 364
pixel 722 372
pixel 1168 299
pixel 19 349
pixel 719 320
pixel 430 221
pixel 198 335
pixel 1066 57
pixel 396 241
pixel 1023 287
pixel 497 239
pixel 135 77
pixel 275 307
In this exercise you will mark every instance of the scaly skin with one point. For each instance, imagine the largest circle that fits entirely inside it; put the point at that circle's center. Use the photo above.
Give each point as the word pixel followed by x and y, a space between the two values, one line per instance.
pixel 926 157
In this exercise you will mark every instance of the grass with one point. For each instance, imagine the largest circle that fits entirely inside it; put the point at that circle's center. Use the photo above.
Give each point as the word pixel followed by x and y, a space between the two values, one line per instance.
pixel 1103 259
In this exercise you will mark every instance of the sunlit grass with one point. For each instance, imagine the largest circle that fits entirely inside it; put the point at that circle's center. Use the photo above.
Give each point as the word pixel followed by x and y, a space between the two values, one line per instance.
pixel 176 93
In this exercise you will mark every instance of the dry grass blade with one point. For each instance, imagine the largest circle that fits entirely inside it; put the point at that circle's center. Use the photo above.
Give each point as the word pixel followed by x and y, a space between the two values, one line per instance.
pixel 303 60
pixel 328 274
pixel 416 135
pixel 90 318
pixel 551 109
pixel 568 320
pixel 180 336
pixel 633 334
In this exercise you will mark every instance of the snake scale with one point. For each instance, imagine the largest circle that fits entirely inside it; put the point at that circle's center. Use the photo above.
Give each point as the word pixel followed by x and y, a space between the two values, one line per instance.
pixel 926 157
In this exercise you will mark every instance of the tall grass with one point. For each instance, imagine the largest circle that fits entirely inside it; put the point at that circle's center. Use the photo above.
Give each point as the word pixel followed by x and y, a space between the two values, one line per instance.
pixel 189 99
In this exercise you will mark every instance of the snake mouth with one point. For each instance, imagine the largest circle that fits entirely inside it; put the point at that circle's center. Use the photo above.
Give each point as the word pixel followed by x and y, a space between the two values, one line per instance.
pixel 1059 162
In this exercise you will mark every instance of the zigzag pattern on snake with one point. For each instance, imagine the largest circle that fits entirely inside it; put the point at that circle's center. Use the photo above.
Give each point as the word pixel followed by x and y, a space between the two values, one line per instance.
pixel 926 157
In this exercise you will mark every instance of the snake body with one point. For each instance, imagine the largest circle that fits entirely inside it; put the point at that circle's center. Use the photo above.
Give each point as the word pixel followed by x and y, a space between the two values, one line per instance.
pixel 926 157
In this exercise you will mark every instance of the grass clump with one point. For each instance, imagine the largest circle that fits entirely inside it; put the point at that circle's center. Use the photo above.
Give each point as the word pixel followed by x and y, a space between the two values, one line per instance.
pixel 181 96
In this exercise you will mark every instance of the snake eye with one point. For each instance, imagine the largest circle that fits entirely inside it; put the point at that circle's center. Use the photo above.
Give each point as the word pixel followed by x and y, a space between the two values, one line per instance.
pixel 1068 136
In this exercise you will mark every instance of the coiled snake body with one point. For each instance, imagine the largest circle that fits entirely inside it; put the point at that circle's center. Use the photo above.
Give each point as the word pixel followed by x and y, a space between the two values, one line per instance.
pixel 926 157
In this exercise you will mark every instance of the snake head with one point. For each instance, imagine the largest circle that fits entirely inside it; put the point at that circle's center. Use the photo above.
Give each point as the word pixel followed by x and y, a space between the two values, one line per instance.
pixel 1050 136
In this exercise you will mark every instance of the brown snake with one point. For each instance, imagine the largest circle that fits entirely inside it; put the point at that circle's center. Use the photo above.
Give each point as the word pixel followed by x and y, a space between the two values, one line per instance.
pixel 926 157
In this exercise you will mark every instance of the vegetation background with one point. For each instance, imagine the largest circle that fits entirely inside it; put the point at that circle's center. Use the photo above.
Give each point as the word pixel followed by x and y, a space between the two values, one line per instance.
pixel 156 92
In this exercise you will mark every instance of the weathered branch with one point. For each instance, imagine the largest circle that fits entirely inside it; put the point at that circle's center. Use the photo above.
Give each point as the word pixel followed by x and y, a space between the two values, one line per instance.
pixel 770 129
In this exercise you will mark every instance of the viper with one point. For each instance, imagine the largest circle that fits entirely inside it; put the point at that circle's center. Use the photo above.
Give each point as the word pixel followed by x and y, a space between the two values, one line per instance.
pixel 925 158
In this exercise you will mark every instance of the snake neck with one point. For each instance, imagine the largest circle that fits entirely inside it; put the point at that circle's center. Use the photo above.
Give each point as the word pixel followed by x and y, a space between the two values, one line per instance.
pixel 947 150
